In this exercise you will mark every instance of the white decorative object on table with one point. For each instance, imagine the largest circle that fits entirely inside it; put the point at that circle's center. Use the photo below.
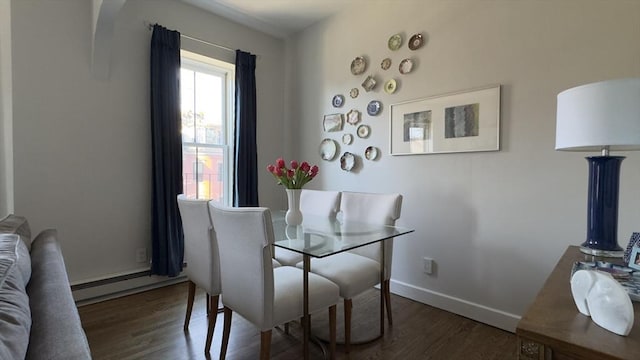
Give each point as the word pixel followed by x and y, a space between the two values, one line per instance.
pixel 293 215
pixel 599 295
pixel 581 282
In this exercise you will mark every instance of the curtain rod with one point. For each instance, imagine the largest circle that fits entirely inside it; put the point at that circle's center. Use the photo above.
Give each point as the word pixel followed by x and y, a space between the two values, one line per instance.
pixel 150 27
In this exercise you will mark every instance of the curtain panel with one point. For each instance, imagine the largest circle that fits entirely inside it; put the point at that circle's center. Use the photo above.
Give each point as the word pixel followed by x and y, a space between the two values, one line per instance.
pixel 246 153
pixel 167 238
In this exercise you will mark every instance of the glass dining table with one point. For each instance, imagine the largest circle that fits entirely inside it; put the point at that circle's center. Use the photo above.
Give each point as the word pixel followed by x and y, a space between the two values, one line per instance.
pixel 319 237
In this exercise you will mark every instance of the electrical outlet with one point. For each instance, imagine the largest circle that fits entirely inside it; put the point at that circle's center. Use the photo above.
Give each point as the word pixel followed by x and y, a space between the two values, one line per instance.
pixel 141 255
pixel 427 265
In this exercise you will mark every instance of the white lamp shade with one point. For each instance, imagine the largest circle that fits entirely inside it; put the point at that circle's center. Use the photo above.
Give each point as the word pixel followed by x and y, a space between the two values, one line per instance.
pixel 605 113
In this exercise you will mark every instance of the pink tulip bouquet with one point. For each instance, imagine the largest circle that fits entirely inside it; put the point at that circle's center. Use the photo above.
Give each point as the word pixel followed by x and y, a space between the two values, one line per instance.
pixel 294 177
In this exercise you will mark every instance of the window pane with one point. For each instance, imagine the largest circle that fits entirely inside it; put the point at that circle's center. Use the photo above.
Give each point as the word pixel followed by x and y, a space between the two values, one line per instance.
pixel 187 104
pixel 209 108
pixel 201 172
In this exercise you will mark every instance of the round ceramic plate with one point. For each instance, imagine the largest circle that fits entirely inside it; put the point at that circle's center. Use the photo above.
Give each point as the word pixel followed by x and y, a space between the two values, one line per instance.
pixel 328 149
pixel 354 93
pixel 363 131
pixel 347 161
pixel 371 153
pixel 337 101
pixel 395 42
pixel 390 86
pixel 374 107
pixel 358 65
pixel 385 64
pixel 405 66
pixel 347 139
pixel 416 42
pixel 353 117
pixel 369 83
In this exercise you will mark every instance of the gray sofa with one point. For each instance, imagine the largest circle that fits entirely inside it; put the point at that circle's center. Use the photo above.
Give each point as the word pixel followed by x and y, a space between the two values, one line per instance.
pixel 38 317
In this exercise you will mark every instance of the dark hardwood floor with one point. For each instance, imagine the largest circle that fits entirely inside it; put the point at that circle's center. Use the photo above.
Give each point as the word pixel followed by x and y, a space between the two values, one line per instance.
pixel 148 325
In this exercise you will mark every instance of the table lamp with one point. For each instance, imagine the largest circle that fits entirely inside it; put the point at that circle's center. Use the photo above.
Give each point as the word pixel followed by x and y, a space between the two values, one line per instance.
pixel 601 116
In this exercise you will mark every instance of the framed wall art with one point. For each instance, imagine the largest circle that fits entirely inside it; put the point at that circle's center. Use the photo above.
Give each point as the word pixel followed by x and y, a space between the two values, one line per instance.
pixel 634 259
pixel 633 242
pixel 457 122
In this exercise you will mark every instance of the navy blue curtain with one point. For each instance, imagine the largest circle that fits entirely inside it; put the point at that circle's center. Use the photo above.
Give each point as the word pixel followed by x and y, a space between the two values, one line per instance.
pixel 245 182
pixel 167 238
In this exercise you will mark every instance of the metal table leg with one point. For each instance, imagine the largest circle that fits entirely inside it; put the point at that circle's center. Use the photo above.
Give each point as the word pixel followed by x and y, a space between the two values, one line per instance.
pixel 306 322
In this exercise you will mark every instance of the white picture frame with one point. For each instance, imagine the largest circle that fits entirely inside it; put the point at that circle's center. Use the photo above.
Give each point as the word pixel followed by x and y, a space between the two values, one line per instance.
pixel 457 122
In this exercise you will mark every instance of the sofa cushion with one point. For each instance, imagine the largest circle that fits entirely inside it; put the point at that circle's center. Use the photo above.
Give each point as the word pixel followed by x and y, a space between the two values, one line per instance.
pixel 15 314
pixel 14 224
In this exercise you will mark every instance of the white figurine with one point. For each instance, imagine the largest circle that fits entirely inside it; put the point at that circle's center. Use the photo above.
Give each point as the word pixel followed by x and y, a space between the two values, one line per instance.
pixel 599 295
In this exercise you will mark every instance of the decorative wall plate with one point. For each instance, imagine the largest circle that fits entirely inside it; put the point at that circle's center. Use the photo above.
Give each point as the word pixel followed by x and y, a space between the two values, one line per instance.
pixel 337 101
pixel 347 139
pixel 363 131
pixel 353 117
pixel 374 107
pixel 385 64
pixel 405 66
pixel 347 161
pixel 395 42
pixel 416 42
pixel 390 86
pixel 328 149
pixel 354 93
pixel 369 83
pixel 371 153
pixel 358 65
pixel 332 122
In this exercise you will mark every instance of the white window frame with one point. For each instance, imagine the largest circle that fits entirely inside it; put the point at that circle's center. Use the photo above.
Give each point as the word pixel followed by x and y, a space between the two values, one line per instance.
pixel 205 64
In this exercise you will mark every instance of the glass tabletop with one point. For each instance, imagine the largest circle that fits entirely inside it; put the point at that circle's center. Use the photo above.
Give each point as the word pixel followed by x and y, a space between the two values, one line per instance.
pixel 321 236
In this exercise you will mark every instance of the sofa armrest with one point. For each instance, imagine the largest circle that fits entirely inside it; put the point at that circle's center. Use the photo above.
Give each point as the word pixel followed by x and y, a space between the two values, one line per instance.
pixel 56 330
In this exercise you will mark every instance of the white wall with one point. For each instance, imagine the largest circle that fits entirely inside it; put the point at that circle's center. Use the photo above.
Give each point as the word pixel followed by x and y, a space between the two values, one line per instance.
pixel 6 121
pixel 495 222
pixel 82 146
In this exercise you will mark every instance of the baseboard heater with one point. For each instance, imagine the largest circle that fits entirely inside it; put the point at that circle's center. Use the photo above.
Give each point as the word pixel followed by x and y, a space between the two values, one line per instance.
pixel 110 280
pixel 118 285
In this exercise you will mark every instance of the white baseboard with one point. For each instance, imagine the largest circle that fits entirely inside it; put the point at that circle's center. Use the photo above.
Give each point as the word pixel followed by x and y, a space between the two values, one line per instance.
pixel 477 312
pixel 84 293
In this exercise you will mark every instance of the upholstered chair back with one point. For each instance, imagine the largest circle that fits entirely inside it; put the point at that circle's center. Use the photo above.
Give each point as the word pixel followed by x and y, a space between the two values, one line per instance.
pixel 320 203
pixel 245 237
pixel 200 246
pixel 373 208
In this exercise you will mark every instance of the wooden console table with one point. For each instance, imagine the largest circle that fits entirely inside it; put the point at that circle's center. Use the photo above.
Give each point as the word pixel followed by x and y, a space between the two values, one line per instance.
pixel 552 327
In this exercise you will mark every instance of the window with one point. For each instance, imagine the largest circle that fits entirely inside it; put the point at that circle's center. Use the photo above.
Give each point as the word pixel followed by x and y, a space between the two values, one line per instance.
pixel 206 90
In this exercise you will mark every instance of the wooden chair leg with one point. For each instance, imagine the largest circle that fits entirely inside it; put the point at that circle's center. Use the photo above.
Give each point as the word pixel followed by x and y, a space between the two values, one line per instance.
pixel 265 345
pixel 212 314
pixel 348 304
pixel 225 332
pixel 208 305
pixel 332 332
pixel 190 297
pixel 387 300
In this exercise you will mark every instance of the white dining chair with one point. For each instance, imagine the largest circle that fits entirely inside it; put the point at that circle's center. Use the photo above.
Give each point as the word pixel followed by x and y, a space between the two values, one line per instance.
pixel 263 295
pixel 201 257
pixel 312 203
pixel 357 270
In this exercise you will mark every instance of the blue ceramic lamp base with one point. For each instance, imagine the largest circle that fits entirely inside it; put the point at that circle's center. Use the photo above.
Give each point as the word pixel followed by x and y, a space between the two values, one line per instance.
pixel 602 208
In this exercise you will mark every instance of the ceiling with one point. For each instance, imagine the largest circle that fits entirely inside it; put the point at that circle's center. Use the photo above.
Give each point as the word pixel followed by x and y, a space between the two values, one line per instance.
pixel 279 18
